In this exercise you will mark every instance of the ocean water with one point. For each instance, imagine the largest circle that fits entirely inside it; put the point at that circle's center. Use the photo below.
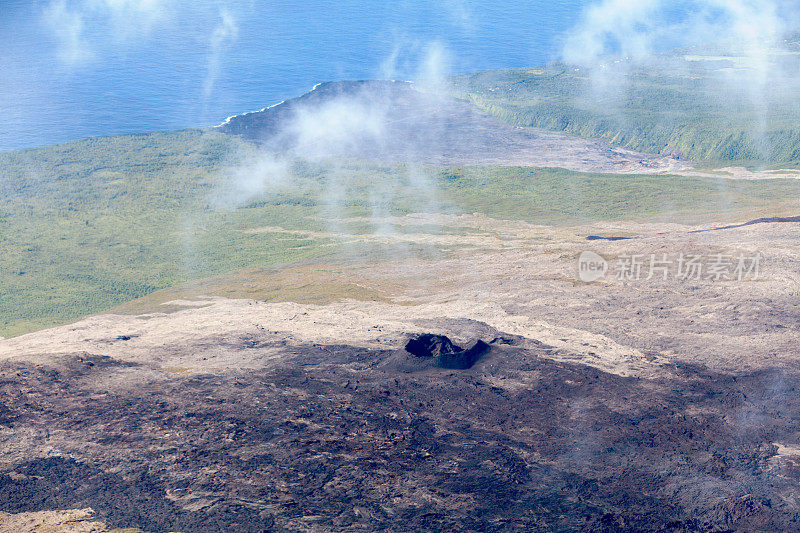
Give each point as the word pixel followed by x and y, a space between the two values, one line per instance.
pixel 77 68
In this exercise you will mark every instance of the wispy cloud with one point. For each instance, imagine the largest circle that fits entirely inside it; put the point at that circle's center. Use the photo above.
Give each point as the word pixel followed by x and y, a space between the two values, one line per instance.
pixel 618 27
pixel 615 36
pixel 225 33
pixel 637 29
pixel 93 31
pixel 130 18
pixel 70 22
pixel 460 13
pixel 67 26
pixel 427 62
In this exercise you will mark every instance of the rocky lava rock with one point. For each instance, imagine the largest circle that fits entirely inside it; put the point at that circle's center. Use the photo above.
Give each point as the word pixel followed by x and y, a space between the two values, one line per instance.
pixel 445 353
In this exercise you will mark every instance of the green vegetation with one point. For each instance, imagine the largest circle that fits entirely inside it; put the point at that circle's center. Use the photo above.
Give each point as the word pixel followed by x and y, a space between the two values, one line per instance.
pixel 679 108
pixel 90 225
pixel 561 197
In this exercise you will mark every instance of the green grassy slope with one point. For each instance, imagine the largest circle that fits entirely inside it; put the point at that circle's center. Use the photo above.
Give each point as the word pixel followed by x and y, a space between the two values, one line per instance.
pixel 678 108
pixel 89 225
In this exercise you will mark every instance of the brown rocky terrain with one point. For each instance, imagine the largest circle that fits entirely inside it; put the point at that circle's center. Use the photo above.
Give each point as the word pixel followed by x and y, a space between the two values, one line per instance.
pixel 618 405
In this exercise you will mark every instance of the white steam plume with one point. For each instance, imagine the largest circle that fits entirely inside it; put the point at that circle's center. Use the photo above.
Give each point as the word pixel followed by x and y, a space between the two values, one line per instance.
pixel 222 36
pixel 435 67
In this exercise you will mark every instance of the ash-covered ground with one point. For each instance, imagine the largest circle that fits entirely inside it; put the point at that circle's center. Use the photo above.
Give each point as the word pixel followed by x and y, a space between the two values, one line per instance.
pixel 337 438
pixel 619 405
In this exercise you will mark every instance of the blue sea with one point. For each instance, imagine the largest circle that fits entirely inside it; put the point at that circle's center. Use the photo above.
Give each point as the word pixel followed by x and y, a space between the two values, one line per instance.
pixel 79 68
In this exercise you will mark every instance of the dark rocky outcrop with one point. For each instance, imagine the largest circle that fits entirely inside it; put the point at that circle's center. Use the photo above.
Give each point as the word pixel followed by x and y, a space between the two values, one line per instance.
pixel 601 238
pixel 768 220
pixel 444 352
pixel 428 345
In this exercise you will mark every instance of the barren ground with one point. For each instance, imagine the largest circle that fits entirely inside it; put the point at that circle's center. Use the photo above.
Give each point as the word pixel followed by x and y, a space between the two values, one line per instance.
pixel 615 405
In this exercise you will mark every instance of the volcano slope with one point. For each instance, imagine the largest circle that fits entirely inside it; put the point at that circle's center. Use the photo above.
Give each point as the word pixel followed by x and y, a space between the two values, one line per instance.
pixel 613 406
pixel 269 388
pixel 397 121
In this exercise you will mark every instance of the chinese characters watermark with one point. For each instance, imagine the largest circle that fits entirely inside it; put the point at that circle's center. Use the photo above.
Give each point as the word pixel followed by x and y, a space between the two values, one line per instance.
pixel 663 267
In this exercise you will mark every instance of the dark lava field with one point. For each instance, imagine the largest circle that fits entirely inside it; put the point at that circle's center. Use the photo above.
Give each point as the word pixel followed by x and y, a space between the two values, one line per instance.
pixel 343 438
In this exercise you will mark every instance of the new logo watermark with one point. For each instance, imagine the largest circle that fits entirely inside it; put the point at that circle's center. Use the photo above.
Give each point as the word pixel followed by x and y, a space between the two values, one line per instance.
pixel 591 267
pixel 680 267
